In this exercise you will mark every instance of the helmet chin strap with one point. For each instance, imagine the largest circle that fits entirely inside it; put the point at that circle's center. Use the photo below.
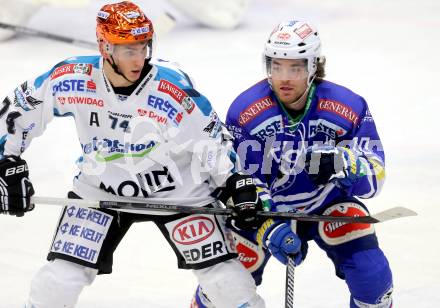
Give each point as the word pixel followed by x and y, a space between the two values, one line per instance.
pixel 116 68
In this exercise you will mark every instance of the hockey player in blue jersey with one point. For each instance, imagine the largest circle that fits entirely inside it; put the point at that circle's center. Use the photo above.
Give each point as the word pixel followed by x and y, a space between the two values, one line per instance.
pixel 313 146
pixel 145 132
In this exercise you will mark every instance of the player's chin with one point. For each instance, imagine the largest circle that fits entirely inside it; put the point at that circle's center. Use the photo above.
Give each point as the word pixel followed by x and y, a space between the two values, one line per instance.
pixel 288 98
pixel 133 76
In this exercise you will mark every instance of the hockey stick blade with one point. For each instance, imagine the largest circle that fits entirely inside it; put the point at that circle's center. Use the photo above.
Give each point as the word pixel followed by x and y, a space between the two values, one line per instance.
pixel 393 213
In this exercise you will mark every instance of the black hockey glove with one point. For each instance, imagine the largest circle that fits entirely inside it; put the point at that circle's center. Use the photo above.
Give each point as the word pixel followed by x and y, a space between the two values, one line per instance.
pixel 245 201
pixel 15 188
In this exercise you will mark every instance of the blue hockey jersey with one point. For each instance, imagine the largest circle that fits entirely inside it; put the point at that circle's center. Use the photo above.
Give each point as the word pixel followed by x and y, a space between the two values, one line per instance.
pixel 271 143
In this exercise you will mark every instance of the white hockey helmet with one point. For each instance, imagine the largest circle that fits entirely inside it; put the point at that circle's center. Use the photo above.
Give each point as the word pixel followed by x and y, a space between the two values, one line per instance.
pixel 294 40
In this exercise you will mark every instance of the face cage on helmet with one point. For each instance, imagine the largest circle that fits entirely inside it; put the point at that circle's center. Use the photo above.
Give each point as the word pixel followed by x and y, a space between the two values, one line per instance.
pixel 312 64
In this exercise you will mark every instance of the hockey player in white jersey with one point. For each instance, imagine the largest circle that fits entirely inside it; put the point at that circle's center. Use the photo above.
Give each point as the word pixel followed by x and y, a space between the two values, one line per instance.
pixel 145 132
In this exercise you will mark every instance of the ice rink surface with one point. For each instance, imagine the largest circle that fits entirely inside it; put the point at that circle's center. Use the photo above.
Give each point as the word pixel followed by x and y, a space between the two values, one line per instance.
pixel 387 51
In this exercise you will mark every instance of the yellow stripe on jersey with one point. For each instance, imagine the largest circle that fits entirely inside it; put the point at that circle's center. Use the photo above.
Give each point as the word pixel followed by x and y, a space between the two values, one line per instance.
pixel 262 230
pixel 378 168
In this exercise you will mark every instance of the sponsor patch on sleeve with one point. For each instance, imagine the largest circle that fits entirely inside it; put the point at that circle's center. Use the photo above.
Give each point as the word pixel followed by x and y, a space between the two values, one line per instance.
pixel 254 109
pixel 77 68
pixel 338 108
pixel 178 94
pixel 24 98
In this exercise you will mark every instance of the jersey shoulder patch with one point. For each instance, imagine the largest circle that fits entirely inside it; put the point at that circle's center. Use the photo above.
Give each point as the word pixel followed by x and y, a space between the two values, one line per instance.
pixel 339 103
pixel 178 85
pixel 252 104
pixel 73 65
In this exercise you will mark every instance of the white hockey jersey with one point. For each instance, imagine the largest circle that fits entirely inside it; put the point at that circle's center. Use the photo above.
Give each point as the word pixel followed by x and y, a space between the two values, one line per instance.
pixel 163 142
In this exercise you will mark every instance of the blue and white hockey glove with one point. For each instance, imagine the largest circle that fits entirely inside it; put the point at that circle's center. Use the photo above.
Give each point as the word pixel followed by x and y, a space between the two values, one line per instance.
pixel 15 188
pixel 245 201
pixel 324 164
pixel 278 237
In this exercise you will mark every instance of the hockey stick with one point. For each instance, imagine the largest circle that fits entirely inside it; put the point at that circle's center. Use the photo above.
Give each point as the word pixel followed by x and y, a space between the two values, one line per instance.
pixel 63 3
pixel 164 24
pixel 290 276
pixel 47 35
pixel 393 213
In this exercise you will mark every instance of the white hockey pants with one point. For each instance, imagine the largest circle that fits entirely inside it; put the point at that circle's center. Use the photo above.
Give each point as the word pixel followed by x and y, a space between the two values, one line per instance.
pixel 229 285
pixel 59 284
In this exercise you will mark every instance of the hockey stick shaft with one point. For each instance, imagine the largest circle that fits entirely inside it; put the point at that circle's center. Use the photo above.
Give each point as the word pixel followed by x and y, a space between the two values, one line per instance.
pixel 290 283
pixel 47 35
pixel 290 276
pixel 163 25
pixel 389 214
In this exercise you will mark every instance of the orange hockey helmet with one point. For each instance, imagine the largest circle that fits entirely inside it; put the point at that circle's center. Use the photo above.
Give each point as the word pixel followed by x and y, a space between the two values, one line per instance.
pixel 122 23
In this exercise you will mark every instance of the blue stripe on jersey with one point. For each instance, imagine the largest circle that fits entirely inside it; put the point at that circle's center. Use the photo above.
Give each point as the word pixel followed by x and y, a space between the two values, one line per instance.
pixel 233 157
pixel 203 104
pixel 57 113
pixel 40 79
pixel 2 144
